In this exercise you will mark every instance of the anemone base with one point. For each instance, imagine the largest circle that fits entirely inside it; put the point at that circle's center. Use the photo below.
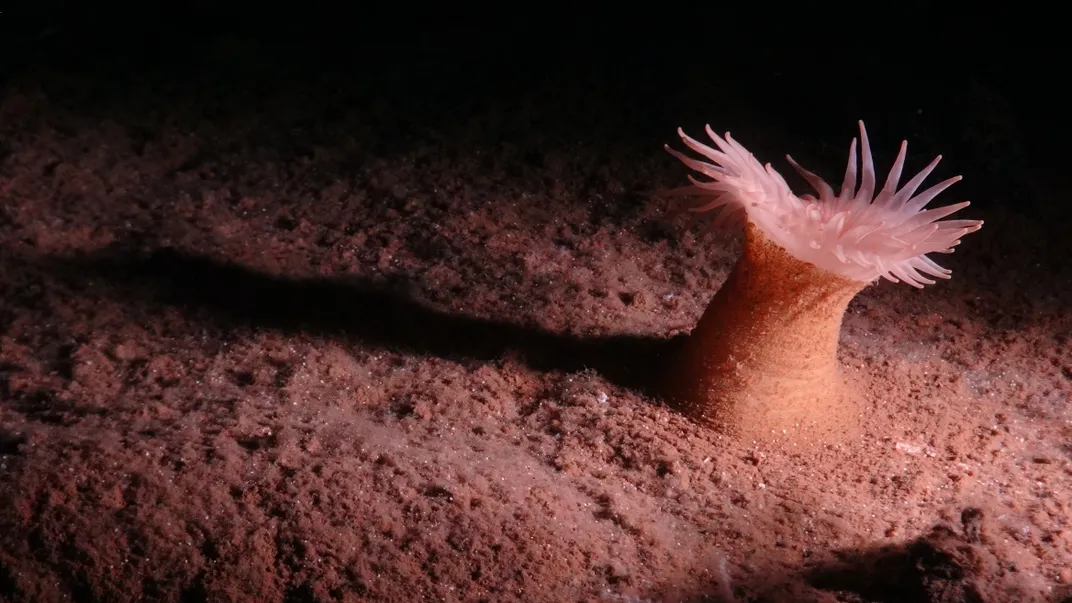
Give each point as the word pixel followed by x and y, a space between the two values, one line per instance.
pixel 762 362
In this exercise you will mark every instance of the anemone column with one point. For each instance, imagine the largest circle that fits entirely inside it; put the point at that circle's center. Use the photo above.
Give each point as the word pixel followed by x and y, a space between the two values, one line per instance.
pixel 762 362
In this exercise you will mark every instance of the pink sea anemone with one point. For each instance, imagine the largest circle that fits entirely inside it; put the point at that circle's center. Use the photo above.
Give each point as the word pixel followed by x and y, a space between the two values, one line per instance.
pixel 762 362
pixel 854 233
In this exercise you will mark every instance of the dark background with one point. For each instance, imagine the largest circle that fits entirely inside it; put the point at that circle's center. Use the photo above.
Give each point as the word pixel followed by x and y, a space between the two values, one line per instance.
pixel 985 89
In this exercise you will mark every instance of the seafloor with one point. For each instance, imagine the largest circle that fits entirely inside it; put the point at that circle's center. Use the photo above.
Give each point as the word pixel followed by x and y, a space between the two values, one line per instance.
pixel 279 330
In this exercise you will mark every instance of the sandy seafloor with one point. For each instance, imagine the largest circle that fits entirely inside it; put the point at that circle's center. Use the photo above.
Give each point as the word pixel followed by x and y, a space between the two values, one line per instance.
pixel 277 333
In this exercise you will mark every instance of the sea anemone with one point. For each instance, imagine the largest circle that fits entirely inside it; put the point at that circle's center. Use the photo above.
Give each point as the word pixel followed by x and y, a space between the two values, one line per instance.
pixel 762 361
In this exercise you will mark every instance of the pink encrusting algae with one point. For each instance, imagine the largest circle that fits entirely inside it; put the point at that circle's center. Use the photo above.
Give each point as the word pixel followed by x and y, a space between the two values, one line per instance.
pixel 762 361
